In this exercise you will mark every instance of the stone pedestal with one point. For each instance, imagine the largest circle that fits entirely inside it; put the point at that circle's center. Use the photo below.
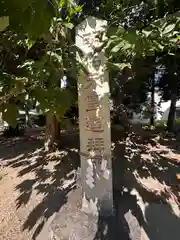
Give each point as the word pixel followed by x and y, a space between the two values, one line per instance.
pixel 71 223
pixel 132 221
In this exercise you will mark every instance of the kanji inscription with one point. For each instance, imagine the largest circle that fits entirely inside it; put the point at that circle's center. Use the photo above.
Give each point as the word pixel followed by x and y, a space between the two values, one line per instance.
pixel 93 102
pixel 95 145
pixel 93 124
pixel 94 119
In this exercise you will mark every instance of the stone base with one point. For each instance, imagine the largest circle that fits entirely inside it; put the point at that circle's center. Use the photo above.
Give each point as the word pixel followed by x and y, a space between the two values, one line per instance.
pixel 132 221
pixel 71 223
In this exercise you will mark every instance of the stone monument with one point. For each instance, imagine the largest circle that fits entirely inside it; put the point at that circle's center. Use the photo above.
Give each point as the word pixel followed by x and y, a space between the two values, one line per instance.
pixel 94 118
pixel 81 216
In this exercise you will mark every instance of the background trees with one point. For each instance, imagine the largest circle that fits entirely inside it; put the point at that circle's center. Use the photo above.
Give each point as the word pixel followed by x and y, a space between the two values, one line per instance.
pixel 150 35
pixel 37 50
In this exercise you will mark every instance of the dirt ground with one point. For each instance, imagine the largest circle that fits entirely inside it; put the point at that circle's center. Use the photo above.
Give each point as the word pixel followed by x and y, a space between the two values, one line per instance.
pixel 35 185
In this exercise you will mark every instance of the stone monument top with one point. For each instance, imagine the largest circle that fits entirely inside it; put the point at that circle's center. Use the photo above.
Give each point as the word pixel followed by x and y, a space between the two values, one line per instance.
pixel 88 34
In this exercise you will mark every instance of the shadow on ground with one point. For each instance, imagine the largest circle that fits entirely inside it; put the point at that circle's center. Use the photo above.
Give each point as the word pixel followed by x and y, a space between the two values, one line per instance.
pixel 49 174
pixel 145 185
pixel 19 148
pixel 157 223
pixel 146 189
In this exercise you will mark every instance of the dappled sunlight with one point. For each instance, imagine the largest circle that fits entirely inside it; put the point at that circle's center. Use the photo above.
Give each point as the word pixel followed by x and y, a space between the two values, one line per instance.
pixel 45 179
pixel 144 175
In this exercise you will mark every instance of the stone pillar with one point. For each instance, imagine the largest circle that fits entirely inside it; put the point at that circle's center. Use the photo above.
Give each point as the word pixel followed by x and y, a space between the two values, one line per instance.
pixel 94 118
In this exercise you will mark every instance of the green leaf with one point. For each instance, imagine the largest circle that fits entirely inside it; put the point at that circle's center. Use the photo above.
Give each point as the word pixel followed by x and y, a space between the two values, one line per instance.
pixel 68 25
pixel 55 56
pixel 120 66
pixel 127 45
pixel 116 48
pixel 169 28
pixel 30 43
pixel 61 3
pixel 78 8
pixel 173 40
pixel 4 22
pixel 171 54
pixel 10 113
pixel 160 46
pixel 147 33
pixel 112 31
pixel 30 17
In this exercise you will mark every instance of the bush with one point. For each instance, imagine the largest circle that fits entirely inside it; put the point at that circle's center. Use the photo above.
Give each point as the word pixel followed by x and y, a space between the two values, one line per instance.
pixel 16 131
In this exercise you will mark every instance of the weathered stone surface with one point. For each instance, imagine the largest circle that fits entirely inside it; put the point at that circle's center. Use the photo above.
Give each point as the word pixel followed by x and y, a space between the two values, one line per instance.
pixel 134 220
pixel 94 119
pixel 71 223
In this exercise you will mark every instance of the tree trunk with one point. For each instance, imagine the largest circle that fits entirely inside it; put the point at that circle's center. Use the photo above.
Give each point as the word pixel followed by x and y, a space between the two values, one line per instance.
pixel 152 104
pixel 160 8
pixel 52 132
pixel 172 111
